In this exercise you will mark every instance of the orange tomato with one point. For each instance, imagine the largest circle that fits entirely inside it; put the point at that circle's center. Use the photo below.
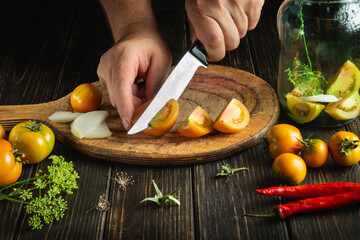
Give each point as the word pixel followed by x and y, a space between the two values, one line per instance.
pixel 289 168
pixel 284 138
pixel 2 133
pixel 10 169
pixel 85 98
pixel 198 124
pixel 163 121
pixel 314 152
pixel 233 118
pixel 344 148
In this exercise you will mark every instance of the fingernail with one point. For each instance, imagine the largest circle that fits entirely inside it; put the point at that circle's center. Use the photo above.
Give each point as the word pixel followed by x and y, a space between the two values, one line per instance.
pixel 126 123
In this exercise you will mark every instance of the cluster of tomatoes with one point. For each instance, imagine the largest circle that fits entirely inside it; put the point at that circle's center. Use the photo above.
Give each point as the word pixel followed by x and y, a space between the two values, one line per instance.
pixel 285 143
pixel 29 142
pixel 233 118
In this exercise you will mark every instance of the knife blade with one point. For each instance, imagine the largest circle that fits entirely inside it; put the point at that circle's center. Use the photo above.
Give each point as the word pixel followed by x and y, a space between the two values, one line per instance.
pixel 174 85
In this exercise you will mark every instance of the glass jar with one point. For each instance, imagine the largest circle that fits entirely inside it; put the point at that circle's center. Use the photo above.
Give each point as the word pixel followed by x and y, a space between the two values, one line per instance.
pixel 319 79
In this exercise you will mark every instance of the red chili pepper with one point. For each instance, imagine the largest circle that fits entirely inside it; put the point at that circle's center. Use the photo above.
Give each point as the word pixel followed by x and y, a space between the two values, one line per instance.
pixel 313 190
pixel 313 204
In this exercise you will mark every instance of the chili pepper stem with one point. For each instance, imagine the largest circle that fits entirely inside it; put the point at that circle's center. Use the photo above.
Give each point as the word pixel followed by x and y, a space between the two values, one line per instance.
pixel 272 215
pixel 275 214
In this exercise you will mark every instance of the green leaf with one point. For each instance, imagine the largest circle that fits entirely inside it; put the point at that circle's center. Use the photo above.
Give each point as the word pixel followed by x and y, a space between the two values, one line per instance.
pixel 158 192
pixel 161 199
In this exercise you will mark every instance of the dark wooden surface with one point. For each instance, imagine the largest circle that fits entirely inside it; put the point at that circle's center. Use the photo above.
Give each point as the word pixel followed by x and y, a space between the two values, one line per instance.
pixel 47 48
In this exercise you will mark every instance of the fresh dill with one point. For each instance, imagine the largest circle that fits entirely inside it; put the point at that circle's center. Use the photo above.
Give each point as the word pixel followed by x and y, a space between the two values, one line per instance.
pixel 301 75
pixel 43 200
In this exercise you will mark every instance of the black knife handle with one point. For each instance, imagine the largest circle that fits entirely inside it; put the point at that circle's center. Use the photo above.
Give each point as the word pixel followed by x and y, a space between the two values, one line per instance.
pixel 197 49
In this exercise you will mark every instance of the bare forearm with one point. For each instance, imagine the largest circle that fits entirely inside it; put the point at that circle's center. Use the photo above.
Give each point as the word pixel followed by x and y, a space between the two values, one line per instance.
pixel 122 14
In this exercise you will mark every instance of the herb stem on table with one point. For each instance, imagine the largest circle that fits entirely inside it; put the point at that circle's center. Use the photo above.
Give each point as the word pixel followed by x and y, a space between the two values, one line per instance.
pixel 227 170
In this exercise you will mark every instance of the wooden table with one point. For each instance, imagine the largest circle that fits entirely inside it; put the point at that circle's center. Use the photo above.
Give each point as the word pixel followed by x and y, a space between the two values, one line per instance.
pixel 47 48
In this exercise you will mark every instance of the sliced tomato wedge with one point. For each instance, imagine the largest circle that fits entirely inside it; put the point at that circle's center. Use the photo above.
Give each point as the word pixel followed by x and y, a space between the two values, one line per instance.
pixel 198 124
pixel 163 121
pixel 233 118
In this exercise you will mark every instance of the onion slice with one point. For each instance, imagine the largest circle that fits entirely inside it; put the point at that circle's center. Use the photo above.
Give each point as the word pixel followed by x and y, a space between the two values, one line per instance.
pixel 320 98
pixel 64 116
pixel 88 123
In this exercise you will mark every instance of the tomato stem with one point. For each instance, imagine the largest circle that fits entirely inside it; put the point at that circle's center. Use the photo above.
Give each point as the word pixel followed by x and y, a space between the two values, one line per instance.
pixel 347 146
pixel 18 155
pixel 34 126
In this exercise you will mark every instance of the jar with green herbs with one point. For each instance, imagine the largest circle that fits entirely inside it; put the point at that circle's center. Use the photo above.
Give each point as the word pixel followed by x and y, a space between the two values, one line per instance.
pixel 319 77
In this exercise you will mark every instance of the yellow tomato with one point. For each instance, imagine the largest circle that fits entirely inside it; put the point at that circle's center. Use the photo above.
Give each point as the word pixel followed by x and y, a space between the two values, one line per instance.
pixel 10 168
pixel 344 148
pixel 35 140
pixel 2 133
pixel 284 138
pixel 289 168
pixel 85 98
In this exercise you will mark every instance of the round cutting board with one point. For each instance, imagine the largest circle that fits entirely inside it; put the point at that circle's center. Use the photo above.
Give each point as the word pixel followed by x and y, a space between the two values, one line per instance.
pixel 211 88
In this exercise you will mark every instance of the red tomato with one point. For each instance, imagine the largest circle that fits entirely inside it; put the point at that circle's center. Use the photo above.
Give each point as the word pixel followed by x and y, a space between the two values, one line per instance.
pixel 198 124
pixel 284 138
pixel 233 118
pixel 289 168
pixel 2 133
pixel 35 140
pixel 10 169
pixel 85 98
pixel 163 121
pixel 344 148
pixel 314 152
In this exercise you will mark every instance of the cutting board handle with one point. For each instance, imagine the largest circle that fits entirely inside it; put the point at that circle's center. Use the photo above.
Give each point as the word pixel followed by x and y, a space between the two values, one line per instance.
pixel 10 115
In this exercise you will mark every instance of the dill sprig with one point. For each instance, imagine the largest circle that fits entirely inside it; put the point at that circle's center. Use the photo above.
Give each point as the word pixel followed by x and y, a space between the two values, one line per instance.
pixel 300 74
pixel 43 198
pixel 305 79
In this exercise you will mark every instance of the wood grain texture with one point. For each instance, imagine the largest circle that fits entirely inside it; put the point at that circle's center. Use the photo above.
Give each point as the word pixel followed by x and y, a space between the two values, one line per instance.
pixel 210 88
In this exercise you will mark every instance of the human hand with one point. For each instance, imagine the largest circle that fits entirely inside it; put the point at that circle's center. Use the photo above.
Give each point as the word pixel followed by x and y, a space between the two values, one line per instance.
pixel 219 25
pixel 140 52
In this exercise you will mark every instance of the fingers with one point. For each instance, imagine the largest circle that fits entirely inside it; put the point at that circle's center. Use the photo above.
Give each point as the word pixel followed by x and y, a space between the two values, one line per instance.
pixel 253 11
pixel 221 25
pixel 117 71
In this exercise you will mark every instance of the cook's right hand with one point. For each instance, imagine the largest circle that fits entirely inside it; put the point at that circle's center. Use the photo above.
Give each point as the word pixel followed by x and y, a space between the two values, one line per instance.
pixel 140 52
pixel 219 25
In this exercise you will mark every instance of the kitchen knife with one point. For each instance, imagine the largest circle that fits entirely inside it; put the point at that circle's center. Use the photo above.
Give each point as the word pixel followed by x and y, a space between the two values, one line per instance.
pixel 174 85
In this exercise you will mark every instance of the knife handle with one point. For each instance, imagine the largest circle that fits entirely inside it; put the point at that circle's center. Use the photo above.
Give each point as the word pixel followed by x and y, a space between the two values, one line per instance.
pixel 198 51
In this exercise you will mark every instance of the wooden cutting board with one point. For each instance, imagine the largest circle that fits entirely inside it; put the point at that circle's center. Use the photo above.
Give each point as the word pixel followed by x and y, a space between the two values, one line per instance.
pixel 211 88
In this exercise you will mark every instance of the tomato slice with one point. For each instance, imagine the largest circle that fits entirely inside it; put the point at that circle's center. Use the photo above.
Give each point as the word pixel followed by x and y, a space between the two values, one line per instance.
pixel 233 118
pixel 163 121
pixel 198 124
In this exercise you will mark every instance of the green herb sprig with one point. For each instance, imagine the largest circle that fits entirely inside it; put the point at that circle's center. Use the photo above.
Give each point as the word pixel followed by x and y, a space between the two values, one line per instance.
pixel 43 198
pixel 161 199
pixel 300 74
pixel 227 170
